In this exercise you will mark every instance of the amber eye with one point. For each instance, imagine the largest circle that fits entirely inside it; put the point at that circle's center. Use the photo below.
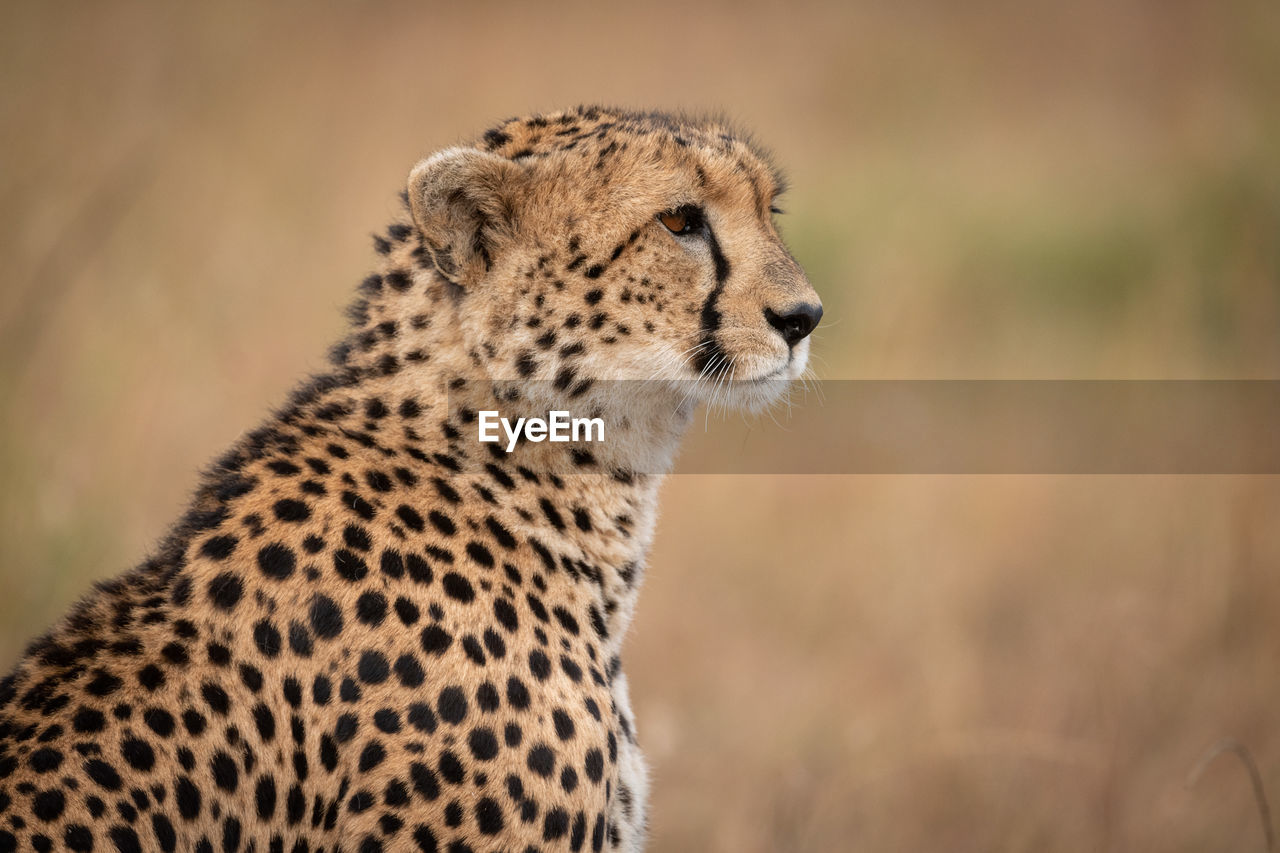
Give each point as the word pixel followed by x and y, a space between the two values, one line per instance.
pixel 674 221
pixel 682 220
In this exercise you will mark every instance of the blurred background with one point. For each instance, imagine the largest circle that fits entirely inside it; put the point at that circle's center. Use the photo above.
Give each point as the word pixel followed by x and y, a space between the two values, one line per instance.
pixel 980 190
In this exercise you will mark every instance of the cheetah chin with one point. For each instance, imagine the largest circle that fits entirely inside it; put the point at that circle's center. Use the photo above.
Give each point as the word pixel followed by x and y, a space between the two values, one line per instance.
pixel 371 633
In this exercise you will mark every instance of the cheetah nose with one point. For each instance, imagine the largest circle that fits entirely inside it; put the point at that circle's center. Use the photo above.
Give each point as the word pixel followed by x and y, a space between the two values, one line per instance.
pixel 796 323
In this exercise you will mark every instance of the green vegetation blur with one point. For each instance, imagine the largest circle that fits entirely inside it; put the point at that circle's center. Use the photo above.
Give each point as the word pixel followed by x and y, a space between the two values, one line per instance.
pixel 979 190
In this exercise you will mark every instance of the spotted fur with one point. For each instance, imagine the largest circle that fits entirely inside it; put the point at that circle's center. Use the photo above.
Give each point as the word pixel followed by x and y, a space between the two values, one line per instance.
pixel 369 632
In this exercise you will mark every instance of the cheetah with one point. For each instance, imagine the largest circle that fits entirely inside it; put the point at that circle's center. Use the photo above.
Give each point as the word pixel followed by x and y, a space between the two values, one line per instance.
pixel 370 631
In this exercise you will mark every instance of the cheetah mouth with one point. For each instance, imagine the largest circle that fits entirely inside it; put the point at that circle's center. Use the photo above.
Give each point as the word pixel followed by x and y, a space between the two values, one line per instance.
pixel 785 372
pixel 747 394
pixel 775 375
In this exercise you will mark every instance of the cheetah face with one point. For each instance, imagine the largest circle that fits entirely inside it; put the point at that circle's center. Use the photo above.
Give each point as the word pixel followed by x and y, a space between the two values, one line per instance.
pixel 592 246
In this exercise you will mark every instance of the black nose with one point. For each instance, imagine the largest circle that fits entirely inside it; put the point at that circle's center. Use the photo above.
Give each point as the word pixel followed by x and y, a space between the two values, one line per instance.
pixel 796 324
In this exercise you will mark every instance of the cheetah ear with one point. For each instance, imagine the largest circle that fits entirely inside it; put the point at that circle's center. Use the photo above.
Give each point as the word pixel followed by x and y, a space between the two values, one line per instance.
pixel 461 202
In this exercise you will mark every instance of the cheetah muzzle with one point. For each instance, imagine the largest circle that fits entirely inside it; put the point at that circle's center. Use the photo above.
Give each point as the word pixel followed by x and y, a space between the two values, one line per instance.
pixel 370 632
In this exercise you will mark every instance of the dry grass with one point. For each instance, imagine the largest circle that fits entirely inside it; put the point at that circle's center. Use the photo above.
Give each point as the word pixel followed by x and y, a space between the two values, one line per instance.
pixel 991 190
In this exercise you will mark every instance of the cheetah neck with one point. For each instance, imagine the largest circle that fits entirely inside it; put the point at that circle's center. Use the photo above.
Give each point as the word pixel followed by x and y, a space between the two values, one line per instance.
pixel 590 525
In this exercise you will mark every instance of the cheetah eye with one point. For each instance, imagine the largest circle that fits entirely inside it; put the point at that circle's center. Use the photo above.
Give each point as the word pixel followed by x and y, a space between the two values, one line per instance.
pixel 683 220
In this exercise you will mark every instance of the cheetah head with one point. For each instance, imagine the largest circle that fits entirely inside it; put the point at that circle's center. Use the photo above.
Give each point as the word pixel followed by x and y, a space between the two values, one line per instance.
pixel 594 246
